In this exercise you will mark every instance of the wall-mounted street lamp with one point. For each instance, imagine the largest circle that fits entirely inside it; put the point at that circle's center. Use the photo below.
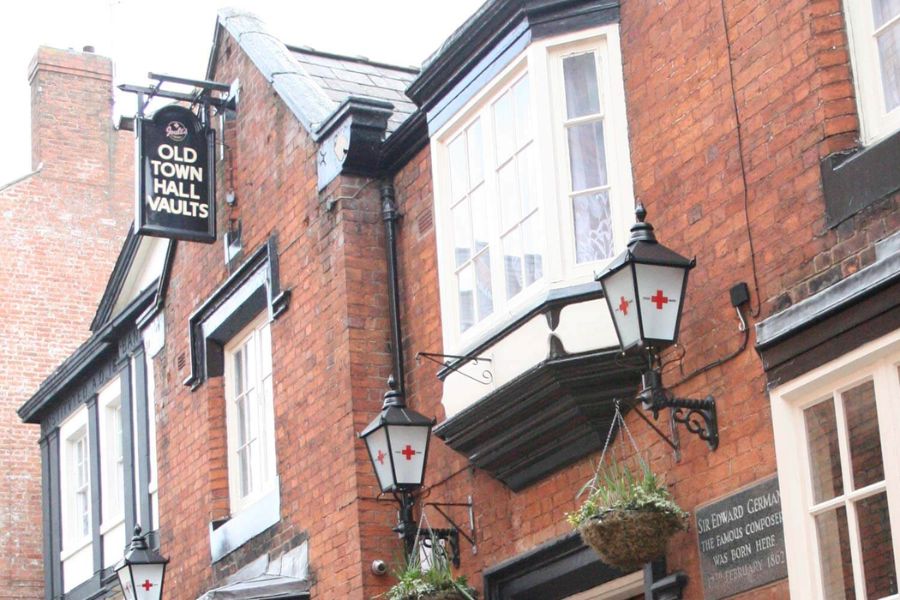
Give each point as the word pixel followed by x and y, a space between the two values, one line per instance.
pixel 397 441
pixel 644 289
pixel 142 570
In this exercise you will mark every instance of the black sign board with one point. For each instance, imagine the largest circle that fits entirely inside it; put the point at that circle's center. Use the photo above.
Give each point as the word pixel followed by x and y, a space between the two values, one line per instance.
pixel 176 176
pixel 741 541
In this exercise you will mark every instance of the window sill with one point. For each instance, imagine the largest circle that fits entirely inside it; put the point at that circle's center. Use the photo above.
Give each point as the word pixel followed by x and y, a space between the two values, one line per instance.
pixel 227 536
pixel 109 525
pixel 853 181
pixel 73 548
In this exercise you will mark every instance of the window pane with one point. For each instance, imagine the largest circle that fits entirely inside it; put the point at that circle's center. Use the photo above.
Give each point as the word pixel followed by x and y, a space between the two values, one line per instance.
pixel 479 219
pixel 523 161
pixel 476 166
pixel 504 127
pixel 532 240
pixel 239 372
pixel 244 459
pixel 582 95
pixel 877 546
pixel 483 284
pixel 462 232
pixel 265 349
pixel 834 555
pixel 510 207
pixel 523 112
pixel 83 513
pixel 587 157
pixel 889 53
pixel 243 427
pixel 459 175
pixel 593 229
pixel 884 10
pixel 824 455
pixel 466 287
pixel 81 462
pixel 512 262
pixel 865 437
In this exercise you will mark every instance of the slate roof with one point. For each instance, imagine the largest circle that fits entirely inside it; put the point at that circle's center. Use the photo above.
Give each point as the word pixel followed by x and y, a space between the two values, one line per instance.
pixel 315 84
pixel 343 76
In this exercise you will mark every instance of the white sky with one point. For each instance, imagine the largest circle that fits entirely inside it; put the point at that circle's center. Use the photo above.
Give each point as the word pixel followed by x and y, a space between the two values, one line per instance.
pixel 174 37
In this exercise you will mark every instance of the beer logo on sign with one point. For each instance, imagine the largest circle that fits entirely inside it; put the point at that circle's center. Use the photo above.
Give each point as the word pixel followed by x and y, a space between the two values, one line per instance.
pixel 176 131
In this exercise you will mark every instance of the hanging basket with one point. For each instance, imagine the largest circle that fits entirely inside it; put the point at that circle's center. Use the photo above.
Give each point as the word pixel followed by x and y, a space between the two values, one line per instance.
pixel 444 595
pixel 626 539
pixel 449 594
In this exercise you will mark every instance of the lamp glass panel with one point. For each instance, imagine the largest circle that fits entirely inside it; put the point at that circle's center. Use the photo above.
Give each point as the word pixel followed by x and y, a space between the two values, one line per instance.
pixel 659 291
pixel 376 443
pixel 408 445
pixel 147 581
pixel 619 290
pixel 125 582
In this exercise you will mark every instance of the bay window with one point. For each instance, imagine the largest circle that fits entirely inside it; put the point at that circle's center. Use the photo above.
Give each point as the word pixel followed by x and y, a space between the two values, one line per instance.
pixel 532 182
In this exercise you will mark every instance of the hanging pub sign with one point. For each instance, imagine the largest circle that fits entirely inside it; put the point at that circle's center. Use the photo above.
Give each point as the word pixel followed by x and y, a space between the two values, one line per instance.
pixel 176 176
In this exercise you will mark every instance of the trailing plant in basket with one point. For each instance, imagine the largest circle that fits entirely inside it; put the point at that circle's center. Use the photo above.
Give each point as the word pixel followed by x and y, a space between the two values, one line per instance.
pixel 627 518
pixel 436 581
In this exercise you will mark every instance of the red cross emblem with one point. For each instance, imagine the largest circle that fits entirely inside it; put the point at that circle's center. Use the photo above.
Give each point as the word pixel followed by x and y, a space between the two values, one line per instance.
pixel 380 457
pixel 408 452
pixel 146 585
pixel 623 306
pixel 659 299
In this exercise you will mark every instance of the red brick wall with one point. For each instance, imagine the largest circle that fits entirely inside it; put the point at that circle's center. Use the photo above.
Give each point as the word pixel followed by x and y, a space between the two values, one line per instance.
pixel 793 91
pixel 792 87
pixel 330 354
pixel 62 229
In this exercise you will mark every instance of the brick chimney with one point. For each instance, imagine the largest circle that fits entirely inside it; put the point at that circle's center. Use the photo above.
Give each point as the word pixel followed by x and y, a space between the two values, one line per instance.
pixel 71 105
pixel 64 226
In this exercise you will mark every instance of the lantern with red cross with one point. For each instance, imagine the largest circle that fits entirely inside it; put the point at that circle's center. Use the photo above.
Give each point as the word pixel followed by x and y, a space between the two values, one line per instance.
pixel 141 570
pixel 644 288
pixel 397 441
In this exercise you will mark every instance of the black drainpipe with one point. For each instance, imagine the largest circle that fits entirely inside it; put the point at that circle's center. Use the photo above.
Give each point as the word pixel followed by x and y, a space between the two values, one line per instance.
pixel 390 215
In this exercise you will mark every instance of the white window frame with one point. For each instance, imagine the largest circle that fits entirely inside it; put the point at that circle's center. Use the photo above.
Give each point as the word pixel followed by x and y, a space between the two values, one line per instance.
pixel 73 429
pixel 109 403
pixel 875 122
pixel 877 361
pixel 255 336
pixel 542 61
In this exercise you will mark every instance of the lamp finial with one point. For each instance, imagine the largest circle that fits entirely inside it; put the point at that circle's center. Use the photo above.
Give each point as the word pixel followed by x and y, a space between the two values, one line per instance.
pixel 641 231
pixel 393 397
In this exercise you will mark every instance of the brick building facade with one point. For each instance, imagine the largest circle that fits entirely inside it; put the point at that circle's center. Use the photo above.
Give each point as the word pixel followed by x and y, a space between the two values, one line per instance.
pixel 63 225
pixel 514 157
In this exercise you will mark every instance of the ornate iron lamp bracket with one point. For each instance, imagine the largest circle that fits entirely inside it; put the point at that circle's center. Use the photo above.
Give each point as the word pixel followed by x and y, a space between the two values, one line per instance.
pixel 698 416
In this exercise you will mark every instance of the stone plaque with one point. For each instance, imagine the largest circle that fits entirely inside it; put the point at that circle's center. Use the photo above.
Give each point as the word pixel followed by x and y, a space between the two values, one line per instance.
pixel 741 540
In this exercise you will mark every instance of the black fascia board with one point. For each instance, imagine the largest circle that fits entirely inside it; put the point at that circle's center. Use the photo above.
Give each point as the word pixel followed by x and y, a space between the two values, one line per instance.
pixel 402 145
pixel 116 279
pixel 477 37
pixel 74 367
pixel 556 569
pixel 276 301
